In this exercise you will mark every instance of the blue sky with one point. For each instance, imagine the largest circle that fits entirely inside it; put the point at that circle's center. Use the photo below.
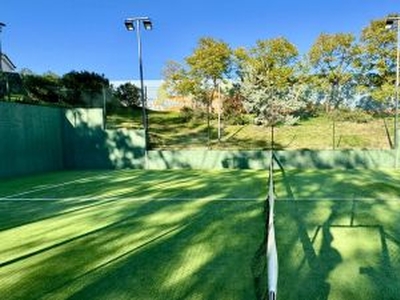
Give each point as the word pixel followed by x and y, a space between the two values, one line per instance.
pixel 65 35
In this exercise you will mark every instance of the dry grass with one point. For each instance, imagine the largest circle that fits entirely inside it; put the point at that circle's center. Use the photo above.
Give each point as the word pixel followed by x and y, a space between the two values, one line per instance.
pixel 168 130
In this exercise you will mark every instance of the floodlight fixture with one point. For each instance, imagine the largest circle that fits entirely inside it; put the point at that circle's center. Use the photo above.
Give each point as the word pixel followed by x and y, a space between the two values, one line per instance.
pixel 148 25
pixel 129 25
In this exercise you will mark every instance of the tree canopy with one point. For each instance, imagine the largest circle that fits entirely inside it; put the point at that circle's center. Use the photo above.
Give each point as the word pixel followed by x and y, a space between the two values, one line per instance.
pixel 378 61
pixel 128 94
pixel 267 81
pixel 332 57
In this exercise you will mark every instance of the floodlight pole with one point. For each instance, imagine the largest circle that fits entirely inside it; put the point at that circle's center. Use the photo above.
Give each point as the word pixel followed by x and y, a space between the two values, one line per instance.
pixel 389 24
pixel 131 24
pixel 1 50
pixel 397 84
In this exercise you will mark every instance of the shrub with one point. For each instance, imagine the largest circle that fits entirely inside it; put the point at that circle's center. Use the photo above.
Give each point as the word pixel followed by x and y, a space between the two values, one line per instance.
pixel 187 114
pixel 356 116
pixel 239 119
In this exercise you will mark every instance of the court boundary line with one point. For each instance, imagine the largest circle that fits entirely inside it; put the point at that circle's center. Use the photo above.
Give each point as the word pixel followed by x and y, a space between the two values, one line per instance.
pixel 88 199
pixel 337 199
pixel 207 198
pixel 49 187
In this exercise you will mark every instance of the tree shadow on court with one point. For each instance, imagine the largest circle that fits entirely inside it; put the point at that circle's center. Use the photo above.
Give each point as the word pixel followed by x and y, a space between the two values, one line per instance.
pixel 206 257
pixel 152 249
pixel 314 284
pixel 84 191
pixel 384 274
pixel 311 277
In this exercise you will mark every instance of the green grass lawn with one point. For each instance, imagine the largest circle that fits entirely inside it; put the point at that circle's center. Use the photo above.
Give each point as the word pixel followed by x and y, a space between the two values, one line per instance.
pixel 169 131
pixel 186 234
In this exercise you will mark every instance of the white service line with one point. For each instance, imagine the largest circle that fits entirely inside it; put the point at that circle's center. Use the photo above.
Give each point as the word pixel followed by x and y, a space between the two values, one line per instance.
pixel 48 187
pixel 338 199
pixel 84 199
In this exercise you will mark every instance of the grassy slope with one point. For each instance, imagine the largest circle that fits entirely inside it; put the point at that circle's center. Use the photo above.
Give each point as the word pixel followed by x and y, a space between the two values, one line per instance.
pixel 169 131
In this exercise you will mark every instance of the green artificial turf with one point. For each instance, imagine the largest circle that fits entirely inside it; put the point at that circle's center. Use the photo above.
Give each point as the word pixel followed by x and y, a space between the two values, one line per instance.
pixel 148 243
pixel 338 234
pixel 187 234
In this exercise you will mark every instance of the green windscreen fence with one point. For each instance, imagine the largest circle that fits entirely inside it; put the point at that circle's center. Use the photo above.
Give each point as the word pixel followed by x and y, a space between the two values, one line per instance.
pixel 31 139
pixel 37 139
pixel 88 146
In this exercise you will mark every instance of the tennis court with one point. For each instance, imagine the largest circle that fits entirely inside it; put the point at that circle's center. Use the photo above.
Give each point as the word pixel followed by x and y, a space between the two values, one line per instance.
pixel 186 234
pixel 338 234
pixel 131 235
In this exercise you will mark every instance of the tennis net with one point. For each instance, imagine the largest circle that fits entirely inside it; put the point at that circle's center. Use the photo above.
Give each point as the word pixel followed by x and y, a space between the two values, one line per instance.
pixel 272 256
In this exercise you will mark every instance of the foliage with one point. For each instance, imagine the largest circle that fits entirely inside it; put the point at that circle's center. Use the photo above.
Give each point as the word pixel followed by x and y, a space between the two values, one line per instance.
pixel 84 88
pixel 12 87
pixel 199 77
pixel 189 114
pixel 355 116
pixel 267 83
pixel 128 94
pixel 44 88
pixel 332 57
pixel 233 108
pixel 177 80
pixel 209 62
pixel 74 88
pixel 377 64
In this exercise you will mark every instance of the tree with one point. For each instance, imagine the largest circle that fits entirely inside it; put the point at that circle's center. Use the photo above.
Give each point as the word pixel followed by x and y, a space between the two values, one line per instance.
pixel 178 81
pixel 202 72
pixel 377 63
pixel 43 88
pixel 128 94
pixel 84 88
pixel 268 82
pixel 332 57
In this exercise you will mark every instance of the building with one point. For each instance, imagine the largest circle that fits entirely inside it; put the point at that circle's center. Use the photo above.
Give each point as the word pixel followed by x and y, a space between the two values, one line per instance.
pixel 6 65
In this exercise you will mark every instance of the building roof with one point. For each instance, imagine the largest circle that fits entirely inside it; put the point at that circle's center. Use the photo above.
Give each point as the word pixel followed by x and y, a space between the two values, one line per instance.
pixel 6 63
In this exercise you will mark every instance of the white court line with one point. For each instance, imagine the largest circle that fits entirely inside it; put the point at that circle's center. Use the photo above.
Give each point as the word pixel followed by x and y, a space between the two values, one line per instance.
pixel 49 187
pixel 87 199
pixel 339 199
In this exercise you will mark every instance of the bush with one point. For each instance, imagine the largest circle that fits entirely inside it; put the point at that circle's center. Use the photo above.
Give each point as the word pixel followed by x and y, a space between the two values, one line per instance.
pixel 189 114
pixel 310 110
pixel 356 116
pixel 239 119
